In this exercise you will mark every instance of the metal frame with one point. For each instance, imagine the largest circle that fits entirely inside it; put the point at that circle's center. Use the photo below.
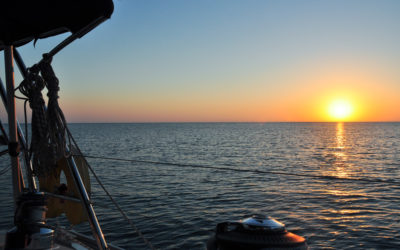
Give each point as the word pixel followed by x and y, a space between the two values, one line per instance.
pixel 75 36
pixel 16 131
pixel 12 123
pixel 94 223
pixel 22 141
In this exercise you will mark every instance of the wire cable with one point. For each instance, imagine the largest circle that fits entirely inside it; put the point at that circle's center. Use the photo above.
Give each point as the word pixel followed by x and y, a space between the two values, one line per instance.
pixel 256 171
pixel 147 242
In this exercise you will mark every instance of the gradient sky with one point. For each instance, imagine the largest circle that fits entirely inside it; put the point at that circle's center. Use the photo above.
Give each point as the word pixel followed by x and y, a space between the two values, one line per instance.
pixel 244 61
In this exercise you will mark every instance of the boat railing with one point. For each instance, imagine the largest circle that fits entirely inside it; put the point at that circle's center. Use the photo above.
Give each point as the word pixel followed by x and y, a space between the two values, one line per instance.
pixel 16 139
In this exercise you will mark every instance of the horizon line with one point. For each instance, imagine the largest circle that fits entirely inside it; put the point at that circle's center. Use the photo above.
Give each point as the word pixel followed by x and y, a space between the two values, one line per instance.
pixel 153 122
pixel 144 122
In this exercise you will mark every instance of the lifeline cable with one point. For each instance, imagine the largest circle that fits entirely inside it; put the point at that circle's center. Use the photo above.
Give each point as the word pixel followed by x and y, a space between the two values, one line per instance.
pixel 51 126
pixel 247 170
pixel 139 214
pixel 146 241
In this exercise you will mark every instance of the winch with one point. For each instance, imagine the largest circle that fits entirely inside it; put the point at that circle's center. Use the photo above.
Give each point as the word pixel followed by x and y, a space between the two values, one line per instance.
pixel 255 233
pixel 30 231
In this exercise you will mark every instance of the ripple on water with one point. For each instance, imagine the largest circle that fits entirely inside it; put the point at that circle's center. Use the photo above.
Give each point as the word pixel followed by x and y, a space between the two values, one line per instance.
pixel 178 207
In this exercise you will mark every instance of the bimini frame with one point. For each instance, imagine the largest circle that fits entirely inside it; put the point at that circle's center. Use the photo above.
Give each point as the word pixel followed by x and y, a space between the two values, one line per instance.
pixel 16 138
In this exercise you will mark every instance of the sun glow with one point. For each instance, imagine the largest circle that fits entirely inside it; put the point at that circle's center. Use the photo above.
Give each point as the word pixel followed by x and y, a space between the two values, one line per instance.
pixel 340 110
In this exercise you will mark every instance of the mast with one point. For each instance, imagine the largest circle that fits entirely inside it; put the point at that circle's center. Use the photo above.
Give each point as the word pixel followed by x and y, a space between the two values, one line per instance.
pixel 13 145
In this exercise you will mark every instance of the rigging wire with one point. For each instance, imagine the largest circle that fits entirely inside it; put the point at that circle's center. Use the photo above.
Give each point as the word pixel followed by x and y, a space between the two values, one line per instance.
pixel 139 214
pixel 146 241
pixel 26 125
pixel 26 100
pixel 256 171
pixel 51 124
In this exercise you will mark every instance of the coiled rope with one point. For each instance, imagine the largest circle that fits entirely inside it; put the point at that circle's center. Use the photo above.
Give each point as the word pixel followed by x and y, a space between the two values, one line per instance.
pixel 48 124
pixel 255 171
pixel 49 127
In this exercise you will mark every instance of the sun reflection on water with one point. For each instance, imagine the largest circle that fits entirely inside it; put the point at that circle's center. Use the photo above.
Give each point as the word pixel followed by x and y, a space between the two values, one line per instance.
pixel 339 152
pixel 341 194
pixel 340 135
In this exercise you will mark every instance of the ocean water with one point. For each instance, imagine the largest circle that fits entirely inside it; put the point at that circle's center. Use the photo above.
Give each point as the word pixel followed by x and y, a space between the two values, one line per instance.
pixel 177 207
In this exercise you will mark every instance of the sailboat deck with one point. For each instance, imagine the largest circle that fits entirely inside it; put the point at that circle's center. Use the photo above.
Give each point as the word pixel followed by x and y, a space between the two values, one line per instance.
pixel 79 242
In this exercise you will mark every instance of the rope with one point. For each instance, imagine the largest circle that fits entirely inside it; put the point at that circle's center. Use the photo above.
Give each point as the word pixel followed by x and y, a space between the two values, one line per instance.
pixel 32 87
pixel 55 116
pixel 247 170
pixel 48 140
pixel 138 232
pixel 49 127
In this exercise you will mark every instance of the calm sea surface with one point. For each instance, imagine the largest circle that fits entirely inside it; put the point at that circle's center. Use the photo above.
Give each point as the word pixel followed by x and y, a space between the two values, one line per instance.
pixel 177 207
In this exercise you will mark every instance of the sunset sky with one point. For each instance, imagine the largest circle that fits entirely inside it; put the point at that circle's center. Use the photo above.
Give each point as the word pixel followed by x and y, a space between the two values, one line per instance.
pixel 239 61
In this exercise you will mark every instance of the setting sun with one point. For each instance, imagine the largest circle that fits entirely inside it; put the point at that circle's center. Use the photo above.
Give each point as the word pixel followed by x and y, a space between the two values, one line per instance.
pixel 340 109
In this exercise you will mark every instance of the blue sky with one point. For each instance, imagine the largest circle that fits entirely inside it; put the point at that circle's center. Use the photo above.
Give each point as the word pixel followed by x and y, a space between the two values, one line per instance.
pixel 230 61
